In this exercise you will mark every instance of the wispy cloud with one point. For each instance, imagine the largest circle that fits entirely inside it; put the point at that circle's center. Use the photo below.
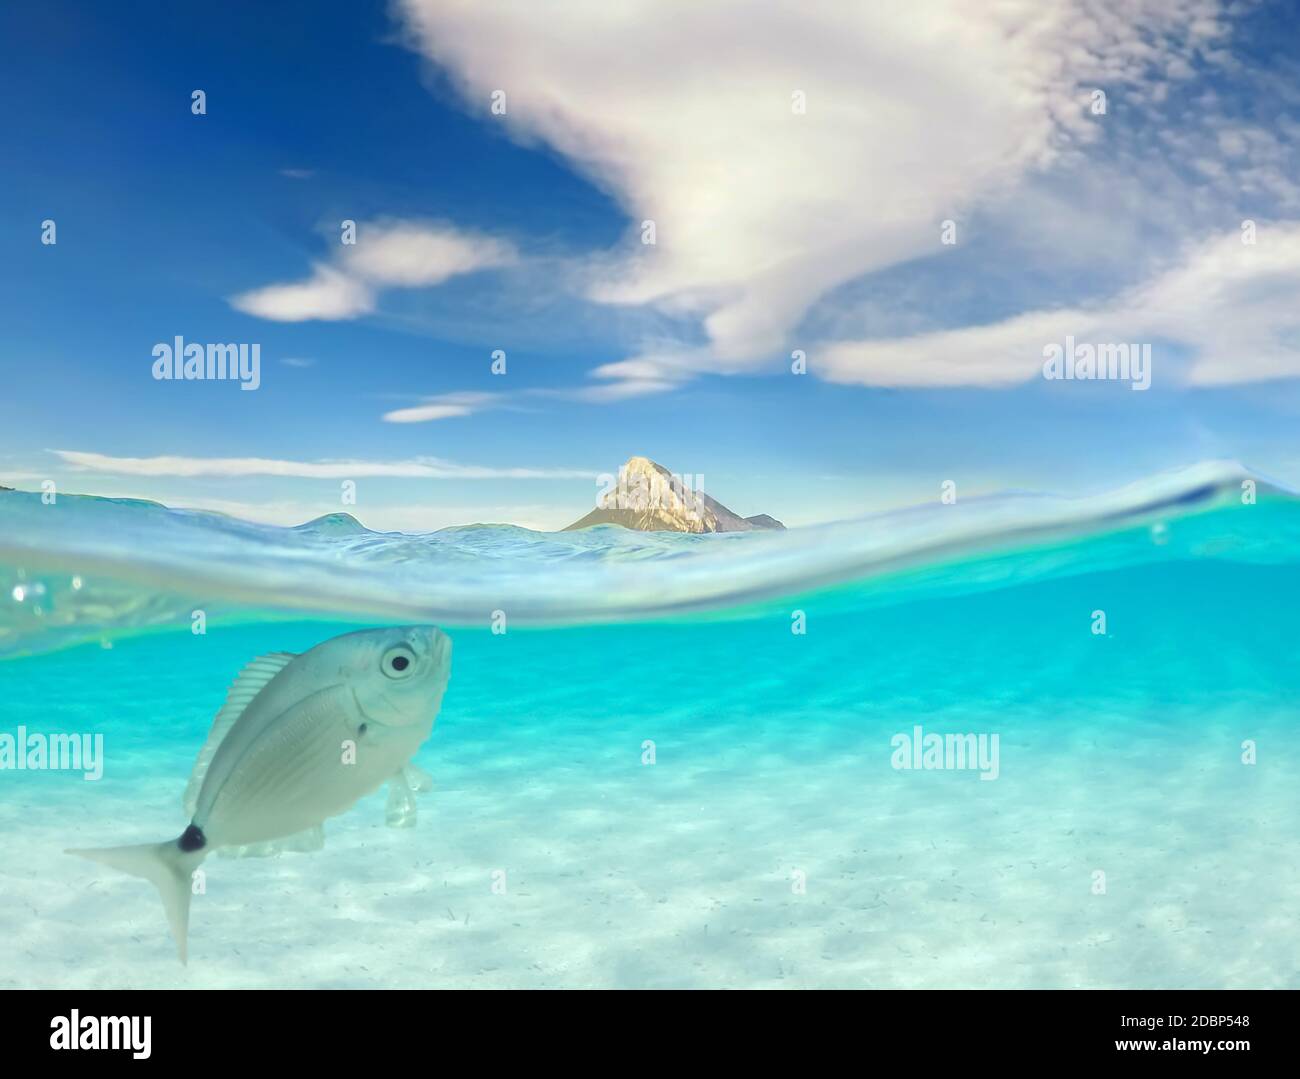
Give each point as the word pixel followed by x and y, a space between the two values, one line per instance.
pixel 456 405
pixel 621 389
pixel 1229 306
pixel 388 254
pixel 327 295
pixel 414 468
pixel 911 122
pixel 444 406
pixel 785 152
pixel 409 254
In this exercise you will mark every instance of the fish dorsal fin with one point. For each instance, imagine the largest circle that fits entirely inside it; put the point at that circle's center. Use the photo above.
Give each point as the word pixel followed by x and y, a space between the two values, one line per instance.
pixel 247 685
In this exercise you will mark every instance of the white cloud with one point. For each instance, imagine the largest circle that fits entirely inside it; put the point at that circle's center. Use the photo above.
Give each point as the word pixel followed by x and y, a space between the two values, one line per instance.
pixel 387 254
pixel 1233 304
pixel 445 406
pixel 408 255
pixel 327 295
pixel 621 390
pixel 663 364
pixel 424 413
pixel 1229 305
pixel 684 112
pixel 416 468
pixel 623 384
pixel 761 212
pixel 1000 354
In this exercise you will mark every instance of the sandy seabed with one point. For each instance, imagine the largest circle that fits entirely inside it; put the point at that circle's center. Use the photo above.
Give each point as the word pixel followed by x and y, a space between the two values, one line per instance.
pixel 685 872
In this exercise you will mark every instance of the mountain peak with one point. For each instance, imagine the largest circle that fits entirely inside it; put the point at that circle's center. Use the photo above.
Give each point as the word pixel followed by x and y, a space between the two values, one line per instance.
pixel 647 497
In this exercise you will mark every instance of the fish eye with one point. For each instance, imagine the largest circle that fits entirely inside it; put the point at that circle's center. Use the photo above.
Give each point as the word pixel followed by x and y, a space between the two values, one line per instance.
pixel 397 662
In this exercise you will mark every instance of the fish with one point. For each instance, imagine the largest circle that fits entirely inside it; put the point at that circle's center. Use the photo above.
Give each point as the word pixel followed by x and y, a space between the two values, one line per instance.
pixel 299 739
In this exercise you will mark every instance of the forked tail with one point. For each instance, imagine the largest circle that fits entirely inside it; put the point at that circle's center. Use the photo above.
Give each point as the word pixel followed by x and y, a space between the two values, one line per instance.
pixel 169 867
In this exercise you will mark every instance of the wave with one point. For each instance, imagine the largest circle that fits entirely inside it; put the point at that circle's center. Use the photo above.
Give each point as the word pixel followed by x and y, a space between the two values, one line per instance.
pixel 87 567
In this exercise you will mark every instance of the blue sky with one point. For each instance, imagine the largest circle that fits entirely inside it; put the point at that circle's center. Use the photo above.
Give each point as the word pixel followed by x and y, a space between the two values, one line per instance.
pixel 776 230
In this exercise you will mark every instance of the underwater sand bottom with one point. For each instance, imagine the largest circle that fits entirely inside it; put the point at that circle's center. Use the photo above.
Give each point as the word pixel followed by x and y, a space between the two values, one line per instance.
pixel 682 873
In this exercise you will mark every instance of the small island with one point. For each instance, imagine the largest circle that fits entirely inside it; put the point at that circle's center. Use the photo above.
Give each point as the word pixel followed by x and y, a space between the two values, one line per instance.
pixel 649 498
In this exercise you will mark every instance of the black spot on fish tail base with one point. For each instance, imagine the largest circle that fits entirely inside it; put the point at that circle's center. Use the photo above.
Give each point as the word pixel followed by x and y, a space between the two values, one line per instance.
pixel 361 730
pixel 192 839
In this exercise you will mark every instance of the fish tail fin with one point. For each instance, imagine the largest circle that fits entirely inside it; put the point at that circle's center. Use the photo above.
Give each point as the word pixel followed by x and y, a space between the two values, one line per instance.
pixel 168 867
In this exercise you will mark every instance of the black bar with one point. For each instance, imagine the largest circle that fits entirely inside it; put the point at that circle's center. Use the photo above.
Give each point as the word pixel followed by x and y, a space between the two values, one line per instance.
pixel 332 1029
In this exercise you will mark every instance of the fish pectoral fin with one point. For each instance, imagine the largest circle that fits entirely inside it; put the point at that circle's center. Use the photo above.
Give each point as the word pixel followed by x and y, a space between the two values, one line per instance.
pixel 300 842
pixel 401 810
pixel 417 778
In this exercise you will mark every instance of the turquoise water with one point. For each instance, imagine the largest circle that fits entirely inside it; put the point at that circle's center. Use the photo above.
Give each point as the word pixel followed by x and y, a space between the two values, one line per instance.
pixel 772 841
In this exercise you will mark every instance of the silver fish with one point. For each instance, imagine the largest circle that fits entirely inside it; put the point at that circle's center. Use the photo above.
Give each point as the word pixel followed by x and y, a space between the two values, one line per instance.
pixel 300 739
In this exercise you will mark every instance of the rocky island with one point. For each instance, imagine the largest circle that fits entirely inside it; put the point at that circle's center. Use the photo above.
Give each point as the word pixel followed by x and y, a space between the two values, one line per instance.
pixel 647 497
